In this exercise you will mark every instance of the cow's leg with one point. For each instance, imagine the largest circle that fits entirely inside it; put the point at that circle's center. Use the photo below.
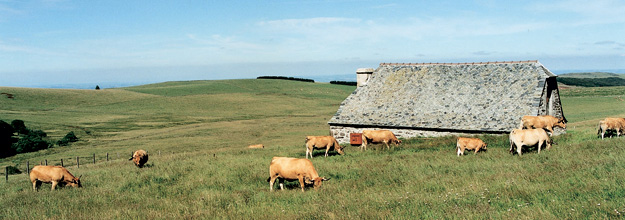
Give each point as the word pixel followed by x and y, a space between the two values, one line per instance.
pixel 273 179
pixel 281 181
pixel 519 148
pixel 327 149
pixel 550 129
pixel 364 143
pixel 540 143
pixel 301 182
pixel 308 151
pixel 387 146
pixel 54 184
pixel 36 185
pixel 459 152
pixel 476 150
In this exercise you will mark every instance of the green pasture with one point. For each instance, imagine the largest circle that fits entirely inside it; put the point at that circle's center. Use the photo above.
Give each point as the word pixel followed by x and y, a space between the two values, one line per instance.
pixel 197 134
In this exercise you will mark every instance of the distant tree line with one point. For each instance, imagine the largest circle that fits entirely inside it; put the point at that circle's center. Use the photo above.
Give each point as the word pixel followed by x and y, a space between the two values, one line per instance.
pixel 16 138
pixel 592 82
pixel 347 83
pixel 286 78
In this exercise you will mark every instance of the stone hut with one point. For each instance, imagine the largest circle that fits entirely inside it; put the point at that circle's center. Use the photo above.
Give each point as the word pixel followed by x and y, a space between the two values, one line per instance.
pixel 436 99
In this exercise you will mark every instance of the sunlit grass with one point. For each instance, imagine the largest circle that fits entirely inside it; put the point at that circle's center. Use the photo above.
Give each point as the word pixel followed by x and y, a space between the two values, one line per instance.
pixel 204 170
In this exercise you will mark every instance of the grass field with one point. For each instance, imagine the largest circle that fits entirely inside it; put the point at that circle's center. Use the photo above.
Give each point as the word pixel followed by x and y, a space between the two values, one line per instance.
pixel 202 128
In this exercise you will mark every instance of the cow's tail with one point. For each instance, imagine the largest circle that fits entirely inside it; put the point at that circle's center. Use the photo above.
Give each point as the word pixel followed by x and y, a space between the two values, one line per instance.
pixel 268 179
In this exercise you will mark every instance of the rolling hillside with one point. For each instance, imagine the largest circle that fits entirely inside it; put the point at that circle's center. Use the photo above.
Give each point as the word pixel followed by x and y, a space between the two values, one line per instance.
pixel 592 79
pixel 197 135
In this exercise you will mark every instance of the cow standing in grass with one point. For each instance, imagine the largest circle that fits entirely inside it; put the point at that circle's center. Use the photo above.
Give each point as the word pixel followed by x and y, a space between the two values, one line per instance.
pixel 256 146
pixel 378 136
pixel 463 143
pixel 285 168
pixel 139 157
pixel 322 142
pixel 528 137
pixel 616 124
pixel 57 175
pixel 546 122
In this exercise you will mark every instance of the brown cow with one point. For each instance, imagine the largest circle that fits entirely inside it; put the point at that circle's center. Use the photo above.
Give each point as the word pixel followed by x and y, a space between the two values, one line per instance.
pixel 290 169
pixel 616 124
pixel 57 175
pixel 378 136
pixel 470 144
pixel 322 142
pixel 528 137
pixel 542 121
pixel 140 157
pixel 256 146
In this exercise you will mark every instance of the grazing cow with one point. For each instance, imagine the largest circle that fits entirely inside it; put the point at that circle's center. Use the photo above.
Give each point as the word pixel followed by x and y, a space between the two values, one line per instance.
pixel 616 124
pixel 528 137
pixel 140 157
pixel 285 168
pixel 322 142
pixel 256 146
pixel 57 175
pixel 378 136
pixel 470 144
pixel 542 121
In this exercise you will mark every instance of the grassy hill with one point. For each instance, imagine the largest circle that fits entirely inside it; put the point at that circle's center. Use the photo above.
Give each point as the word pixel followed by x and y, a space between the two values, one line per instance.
pixel 592 79
pixel 197 133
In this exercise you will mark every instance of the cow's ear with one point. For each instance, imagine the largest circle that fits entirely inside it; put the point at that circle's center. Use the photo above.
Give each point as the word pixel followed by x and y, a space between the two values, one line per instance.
pixel 130 158
pixel 80 177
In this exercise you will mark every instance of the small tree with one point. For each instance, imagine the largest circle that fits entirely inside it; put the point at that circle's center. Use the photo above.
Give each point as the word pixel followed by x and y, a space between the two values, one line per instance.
pixel 97 87
pixel 19 126
pixel 69 138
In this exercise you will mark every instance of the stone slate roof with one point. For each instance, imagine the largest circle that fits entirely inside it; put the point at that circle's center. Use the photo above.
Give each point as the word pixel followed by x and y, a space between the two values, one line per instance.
pixel 478 97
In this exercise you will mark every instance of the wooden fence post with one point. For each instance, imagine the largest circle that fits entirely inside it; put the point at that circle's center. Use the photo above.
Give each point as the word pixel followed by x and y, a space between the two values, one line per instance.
pixel 93 158
pixel 77 162
pixel 28 167
pixel 6 173
pixel 107 156
pixel 46 162
pixel 62 162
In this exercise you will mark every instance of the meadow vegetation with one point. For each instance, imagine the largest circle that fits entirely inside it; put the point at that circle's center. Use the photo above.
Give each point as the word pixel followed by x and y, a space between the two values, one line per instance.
pixel 197 134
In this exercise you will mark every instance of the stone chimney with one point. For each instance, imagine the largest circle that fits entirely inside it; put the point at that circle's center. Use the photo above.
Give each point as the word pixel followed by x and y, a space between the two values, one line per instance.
pixel 363 75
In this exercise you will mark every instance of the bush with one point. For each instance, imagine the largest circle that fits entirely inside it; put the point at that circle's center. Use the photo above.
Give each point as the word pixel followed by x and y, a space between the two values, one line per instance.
pixel 6 140
pixel 13 170
pixel 69 138
pixel 31 142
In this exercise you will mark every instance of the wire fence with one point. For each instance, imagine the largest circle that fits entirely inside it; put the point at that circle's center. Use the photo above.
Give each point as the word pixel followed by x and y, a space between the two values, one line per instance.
pixel 67 162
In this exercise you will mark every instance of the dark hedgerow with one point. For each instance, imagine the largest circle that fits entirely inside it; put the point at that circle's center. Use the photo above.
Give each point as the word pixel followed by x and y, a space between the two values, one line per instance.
pixel 347 83
pixel 286 78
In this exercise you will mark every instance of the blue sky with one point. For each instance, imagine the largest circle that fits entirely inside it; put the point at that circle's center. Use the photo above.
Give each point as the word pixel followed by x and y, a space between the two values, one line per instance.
pixel 65 41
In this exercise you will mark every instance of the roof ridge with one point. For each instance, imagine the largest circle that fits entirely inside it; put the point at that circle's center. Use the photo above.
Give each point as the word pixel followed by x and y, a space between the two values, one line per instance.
pixel 467 63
